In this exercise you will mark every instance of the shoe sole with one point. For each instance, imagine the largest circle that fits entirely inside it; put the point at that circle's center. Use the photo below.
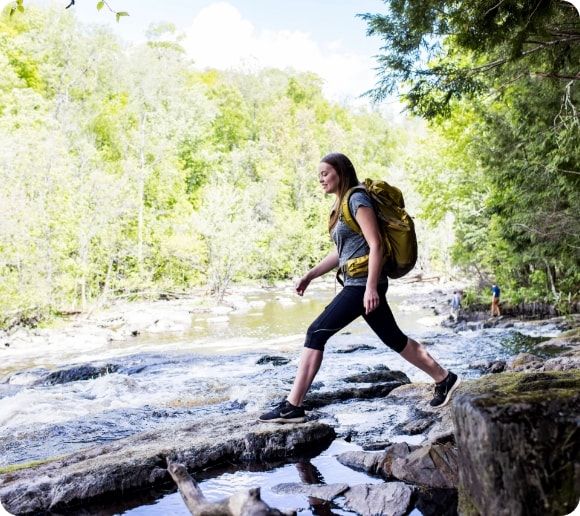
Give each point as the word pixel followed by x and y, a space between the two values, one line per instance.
pixel 451 391
pixel 283 420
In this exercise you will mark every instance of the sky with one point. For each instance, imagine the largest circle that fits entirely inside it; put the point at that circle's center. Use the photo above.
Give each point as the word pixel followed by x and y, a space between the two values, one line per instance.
pixel 322 36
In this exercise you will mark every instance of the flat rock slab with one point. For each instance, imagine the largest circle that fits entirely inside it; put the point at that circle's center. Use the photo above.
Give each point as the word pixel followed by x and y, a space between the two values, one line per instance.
pixel 140 461
pixel 326 492
pixel 392 498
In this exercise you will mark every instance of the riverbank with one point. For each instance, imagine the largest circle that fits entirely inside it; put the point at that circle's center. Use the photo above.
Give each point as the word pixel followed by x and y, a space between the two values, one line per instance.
pixel 136 373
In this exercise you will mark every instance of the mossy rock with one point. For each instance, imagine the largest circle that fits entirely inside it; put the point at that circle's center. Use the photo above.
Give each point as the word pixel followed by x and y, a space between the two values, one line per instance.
pixel 518 436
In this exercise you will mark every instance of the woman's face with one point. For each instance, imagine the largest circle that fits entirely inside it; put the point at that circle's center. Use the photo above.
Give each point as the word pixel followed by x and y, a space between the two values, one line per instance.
pixel 328 178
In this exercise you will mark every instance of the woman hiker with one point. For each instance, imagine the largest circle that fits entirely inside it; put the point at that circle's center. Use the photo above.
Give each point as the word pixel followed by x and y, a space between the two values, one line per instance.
pixel 361 296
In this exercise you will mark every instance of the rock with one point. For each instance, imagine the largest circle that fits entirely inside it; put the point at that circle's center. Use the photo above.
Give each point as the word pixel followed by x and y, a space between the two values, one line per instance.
pixel 352 349
pixel 562 363
pixel 361 461
pixel 436 502
pixel 434 465
pixel 489 366
pixel 376 463
pixel 564 342
pixel 418 396
pixel 415 427
pixel 321 399
pixel 378 376
pixel 480 365
pixel 498 366
pixel 135 462
pixel 377 446
pixel 524 361
pixel 77 373
pixel 274 360
pixel 392 498
pixel 321 491
pixel 518 441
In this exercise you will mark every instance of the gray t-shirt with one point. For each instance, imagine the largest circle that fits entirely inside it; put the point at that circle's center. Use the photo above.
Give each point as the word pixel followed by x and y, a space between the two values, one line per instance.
pixel 349 243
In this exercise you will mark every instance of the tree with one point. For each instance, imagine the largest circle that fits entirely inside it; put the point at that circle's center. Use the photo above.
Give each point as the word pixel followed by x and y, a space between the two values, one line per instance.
pixel 439 51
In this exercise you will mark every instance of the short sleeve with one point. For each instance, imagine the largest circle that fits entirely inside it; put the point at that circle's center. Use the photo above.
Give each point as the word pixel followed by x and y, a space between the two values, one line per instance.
pixel 358 199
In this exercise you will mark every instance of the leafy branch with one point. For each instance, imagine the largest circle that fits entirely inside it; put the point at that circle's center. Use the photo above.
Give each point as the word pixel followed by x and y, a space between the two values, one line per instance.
pixel 19 6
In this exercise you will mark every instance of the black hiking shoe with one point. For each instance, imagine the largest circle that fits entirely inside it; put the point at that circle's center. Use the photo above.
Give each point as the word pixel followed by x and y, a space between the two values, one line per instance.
pixel 444 390
pixel 284 412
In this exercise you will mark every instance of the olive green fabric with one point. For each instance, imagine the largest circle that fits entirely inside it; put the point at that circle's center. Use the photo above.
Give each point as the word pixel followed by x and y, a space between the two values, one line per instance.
pixel 396 226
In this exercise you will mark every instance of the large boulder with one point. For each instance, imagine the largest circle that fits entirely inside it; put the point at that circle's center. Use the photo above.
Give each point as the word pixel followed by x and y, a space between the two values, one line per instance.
pixel 518 437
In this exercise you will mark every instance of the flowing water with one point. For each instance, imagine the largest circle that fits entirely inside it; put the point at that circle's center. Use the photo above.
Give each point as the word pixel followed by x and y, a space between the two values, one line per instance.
pixel 149 381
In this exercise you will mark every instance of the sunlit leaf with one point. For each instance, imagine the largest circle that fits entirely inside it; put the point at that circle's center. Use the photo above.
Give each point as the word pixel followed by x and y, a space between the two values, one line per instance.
pixel 122 13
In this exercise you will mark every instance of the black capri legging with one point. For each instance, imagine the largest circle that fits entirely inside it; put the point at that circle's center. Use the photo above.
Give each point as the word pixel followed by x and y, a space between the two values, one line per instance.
pixel 345 308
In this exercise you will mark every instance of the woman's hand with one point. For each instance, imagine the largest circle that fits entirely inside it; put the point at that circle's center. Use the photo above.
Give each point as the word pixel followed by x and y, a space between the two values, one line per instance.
pixel 302 284
pixel 370 300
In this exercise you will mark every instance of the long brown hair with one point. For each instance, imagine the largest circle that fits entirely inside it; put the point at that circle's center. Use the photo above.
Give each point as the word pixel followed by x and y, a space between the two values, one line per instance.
pixel 347 179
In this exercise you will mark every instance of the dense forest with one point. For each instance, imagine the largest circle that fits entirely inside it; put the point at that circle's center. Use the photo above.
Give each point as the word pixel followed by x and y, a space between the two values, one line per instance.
pixel 125 171
pixel 498 82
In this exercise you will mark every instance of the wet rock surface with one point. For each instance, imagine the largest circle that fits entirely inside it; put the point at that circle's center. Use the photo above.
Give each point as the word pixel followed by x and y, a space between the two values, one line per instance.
pixel 274 360
pixel 391 498
pixel 353 349
pixel 380 374
pixel 518 436
pixel 78 373
pixel 321 399
pixel 139 461
pixel 322 491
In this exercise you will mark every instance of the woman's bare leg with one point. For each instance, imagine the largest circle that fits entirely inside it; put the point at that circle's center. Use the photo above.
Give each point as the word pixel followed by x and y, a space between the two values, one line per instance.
pixel 309 365
pixel 417 355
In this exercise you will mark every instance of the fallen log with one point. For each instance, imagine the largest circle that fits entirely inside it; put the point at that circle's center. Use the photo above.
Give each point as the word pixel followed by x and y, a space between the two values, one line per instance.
pixel 239 504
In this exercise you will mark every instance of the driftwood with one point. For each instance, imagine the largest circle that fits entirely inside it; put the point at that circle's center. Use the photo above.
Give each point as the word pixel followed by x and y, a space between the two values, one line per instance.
pixel 239 504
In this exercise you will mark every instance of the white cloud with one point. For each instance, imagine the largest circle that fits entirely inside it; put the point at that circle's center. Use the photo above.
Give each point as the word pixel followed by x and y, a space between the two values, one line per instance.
pixel 219 37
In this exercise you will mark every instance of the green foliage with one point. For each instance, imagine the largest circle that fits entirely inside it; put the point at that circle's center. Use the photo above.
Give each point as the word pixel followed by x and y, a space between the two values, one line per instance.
pixel 127 172
pixel 499 83
pixel 448 50
pixel 18 6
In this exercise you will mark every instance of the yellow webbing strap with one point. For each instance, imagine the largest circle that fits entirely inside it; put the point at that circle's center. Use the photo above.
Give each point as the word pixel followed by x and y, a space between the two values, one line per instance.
pixel 347 216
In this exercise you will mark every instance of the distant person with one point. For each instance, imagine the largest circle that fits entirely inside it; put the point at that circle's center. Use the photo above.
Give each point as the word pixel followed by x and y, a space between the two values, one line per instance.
pixel 495 293
pixel 455 304
pixel 363 295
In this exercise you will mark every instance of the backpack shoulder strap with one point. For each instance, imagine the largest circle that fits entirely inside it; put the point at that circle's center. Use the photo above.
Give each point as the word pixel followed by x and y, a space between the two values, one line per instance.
pixel 347 216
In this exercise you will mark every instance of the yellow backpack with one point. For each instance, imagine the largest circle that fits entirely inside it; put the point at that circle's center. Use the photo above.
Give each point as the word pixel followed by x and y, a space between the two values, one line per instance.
pixel 396 226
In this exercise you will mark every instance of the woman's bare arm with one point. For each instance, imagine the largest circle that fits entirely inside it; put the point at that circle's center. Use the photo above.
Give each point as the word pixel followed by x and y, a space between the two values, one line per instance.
pixel 326 265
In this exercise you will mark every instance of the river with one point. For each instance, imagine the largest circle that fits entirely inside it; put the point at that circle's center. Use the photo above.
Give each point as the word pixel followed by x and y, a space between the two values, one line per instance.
pixel 214 366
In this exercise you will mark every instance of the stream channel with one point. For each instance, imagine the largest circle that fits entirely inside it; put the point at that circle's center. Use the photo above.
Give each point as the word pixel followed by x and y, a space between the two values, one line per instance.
pixel 155 379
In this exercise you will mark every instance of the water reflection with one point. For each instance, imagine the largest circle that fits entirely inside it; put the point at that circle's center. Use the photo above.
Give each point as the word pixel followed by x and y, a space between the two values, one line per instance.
pixel 309 474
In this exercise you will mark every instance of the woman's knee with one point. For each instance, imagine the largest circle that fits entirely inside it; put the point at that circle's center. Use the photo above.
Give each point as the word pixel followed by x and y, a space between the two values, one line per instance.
pixel 315 338
pixel 399 343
